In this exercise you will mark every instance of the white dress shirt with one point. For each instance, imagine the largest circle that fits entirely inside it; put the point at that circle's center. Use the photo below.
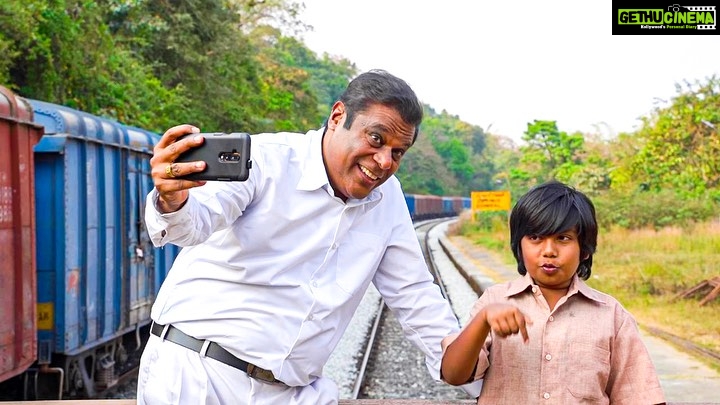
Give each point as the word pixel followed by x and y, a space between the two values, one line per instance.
pixel 274 267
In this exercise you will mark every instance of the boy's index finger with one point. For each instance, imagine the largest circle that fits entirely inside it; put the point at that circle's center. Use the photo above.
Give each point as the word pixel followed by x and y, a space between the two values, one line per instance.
pixel 524 333
pixel 522 322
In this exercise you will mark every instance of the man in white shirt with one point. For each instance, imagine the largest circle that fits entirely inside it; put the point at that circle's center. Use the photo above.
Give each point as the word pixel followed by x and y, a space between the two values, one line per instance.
pixel 273 268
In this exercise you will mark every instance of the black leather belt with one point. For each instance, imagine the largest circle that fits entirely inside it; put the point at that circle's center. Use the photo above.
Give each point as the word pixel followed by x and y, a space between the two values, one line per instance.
pixel 213 350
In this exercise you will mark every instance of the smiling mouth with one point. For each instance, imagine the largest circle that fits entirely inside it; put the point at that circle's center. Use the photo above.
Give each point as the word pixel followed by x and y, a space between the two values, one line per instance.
pixel 368 173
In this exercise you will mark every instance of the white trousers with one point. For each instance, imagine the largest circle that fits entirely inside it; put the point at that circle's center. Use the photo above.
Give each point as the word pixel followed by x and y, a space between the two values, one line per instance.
pixel 172 374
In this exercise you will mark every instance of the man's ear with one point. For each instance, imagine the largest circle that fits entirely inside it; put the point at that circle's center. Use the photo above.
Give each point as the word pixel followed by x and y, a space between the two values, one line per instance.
pixel 336 115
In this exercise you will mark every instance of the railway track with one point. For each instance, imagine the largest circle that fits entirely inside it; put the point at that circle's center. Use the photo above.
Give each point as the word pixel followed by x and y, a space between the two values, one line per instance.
pixel 370 345
pixel 706 354
pixel 391 366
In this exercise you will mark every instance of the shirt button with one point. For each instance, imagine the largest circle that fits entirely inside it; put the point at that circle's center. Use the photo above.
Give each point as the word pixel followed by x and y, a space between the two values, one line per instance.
pixel 548 357
pixel 552 318
pixel 314 284
pixel 310 317
pixel 546 395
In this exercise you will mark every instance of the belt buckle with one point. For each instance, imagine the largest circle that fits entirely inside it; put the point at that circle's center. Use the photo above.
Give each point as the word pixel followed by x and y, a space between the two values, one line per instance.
pixel 260 374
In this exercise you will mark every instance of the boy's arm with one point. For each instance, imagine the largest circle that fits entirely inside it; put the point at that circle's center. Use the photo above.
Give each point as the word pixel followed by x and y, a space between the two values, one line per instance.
pixel 461 356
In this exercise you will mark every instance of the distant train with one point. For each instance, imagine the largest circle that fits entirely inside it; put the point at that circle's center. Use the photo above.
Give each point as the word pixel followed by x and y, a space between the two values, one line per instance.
pixel 424 206
pixel 78 272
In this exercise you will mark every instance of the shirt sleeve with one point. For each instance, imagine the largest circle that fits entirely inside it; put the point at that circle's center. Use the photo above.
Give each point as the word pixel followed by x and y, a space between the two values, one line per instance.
pixel 633 379
pixel 209 208
pixel 160 226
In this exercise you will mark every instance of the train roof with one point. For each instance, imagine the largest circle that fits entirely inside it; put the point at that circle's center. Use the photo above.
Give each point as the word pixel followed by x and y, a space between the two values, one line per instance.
pixel 63 122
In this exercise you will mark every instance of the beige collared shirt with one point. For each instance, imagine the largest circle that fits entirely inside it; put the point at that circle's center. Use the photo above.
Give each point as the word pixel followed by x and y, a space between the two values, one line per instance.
pixel 587 350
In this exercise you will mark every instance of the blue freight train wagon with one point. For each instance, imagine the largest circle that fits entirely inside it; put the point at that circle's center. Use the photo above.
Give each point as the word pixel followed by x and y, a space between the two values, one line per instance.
pixel 410 201
pixel 97 271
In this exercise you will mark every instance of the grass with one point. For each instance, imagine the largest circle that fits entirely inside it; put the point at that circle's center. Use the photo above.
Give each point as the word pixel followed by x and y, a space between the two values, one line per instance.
pixel 645 270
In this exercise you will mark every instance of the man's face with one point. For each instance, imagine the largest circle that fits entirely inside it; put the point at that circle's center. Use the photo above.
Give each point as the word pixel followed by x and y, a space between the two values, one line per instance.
pixel 363 157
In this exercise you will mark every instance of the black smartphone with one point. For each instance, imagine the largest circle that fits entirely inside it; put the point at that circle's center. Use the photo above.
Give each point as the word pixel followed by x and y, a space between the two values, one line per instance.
pixel 227 157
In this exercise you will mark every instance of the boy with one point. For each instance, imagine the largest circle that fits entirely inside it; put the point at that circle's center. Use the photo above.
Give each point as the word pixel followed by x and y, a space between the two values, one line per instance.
pixel 578 345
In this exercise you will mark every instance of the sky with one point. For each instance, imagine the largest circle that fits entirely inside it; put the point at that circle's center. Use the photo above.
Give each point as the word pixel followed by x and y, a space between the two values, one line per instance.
pixel 501 65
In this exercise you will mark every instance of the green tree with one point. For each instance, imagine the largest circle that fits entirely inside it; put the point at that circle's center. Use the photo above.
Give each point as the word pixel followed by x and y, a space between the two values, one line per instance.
pixel 502 158
pixel 329 76
pixel 681 144
pixel 551 153
pixel 461 147
pixel 422 170
pixel 593 175
pixel 300 88
pixel 62 51
pixel 197 46
pixel 18 22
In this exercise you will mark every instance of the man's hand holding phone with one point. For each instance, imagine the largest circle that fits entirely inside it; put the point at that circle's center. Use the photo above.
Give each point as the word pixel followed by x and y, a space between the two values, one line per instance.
pixel 184 158
pixel 226 157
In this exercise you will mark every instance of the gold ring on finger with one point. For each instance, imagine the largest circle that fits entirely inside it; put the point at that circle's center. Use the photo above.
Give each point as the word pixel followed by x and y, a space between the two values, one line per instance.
pixel 169 171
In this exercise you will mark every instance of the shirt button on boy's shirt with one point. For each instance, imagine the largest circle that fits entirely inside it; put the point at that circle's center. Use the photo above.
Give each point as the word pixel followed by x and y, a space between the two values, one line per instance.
pixel 546 395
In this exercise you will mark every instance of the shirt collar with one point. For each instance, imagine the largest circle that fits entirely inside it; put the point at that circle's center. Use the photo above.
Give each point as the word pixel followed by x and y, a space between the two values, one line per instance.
pixel 314 175
pixel 526 282
pixel 585 290
pixel 518 285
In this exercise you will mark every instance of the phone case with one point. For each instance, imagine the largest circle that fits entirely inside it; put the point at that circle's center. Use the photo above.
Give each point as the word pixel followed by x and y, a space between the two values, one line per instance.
pixel 227 157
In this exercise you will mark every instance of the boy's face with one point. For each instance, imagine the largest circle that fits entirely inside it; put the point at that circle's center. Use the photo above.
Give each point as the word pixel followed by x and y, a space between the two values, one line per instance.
pixel 363 157
pixel 551 260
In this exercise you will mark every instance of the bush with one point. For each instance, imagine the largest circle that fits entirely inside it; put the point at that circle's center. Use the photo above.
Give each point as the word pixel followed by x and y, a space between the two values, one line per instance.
pixel 653 209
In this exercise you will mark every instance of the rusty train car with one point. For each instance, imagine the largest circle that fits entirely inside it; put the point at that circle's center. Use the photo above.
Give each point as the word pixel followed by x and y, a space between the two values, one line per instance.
pixel 426 206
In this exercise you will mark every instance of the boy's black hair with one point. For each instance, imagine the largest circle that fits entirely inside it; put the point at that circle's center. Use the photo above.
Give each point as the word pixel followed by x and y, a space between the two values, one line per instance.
pixel 551 208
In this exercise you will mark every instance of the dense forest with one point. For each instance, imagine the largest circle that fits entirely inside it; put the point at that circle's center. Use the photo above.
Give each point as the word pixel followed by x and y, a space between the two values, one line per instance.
pixel 238 65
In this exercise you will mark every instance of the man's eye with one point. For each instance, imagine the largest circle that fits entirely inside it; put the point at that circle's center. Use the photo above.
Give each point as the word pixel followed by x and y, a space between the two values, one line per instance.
pixel 398 154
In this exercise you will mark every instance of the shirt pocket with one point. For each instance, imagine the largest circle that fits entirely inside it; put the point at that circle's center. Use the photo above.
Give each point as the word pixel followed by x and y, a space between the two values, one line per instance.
pixel 587 377
pixel 359 256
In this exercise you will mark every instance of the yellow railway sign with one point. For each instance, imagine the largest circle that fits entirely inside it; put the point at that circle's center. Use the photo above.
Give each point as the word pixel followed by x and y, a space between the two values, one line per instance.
pixel 490 200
